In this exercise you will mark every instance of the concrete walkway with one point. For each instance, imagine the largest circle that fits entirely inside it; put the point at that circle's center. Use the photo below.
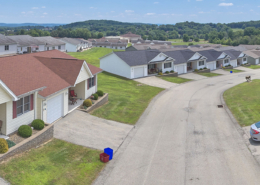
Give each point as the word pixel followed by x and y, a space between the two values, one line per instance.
pixel 3 182
pixel 84 129
pixel 184 138
pixel 192 76
pixel 156 82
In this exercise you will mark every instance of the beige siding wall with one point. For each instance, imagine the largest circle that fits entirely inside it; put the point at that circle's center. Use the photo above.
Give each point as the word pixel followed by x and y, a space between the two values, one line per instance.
pixel 14 124
pixel 65 104
pixel 3 117
pixel 83 75
pixel 80 89
pixel 39 108
pixel 4 96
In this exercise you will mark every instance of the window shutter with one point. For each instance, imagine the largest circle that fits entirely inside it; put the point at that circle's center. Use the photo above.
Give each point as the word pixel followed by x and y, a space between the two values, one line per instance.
pixel 88 82
pixel 31 102
pixel 94 80
pixel 14 110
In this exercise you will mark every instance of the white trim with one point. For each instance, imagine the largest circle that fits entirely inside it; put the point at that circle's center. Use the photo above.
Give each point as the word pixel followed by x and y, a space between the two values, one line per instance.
pixel 88 70
pixel 169 58
pixel 196 59
pixel 106 55
pixel 15 98
pixel 31 92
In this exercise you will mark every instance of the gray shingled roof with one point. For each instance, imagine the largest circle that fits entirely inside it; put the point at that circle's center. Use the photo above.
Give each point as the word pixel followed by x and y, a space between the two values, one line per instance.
pixel 211 55
pixel 25 40
pixel 136 58
pixel 180 56
pixel 233 53
pixel 149 46
pixel 5 40
pixel 50 41
pixel 72 41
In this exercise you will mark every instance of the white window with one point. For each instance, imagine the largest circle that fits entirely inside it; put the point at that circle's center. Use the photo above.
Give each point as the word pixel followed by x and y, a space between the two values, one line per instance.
pixel 244 59
pixel 59 47
pixel 168 65
pixel 23 105
pixel 6 47
pixel 201 63
pixel 226 61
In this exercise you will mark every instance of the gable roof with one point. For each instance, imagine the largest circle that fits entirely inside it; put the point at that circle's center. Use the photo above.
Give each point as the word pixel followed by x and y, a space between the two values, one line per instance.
pixel 5 40
pixel 72 41
pixel 50 41
pixel 25 40
pixel 253 53
pixel 52 70
pixel 180 56
pixel 211 55
pixel 149 46
pixel 233 53
pixel 135 58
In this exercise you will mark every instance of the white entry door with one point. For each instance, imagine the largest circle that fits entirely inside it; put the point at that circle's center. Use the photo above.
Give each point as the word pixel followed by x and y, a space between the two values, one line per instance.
pixel 138 72
pixel 54 108
pixel 211 66
pixel 257 61
pixel 180 69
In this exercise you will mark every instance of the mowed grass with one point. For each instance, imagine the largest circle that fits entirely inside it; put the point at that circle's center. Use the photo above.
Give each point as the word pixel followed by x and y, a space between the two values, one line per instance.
pixel 253 66
pixel 177 80
pixel 208 74
pixel 180 42
pixel 57 162
pixel 234 70
pixel 127 101
pixel 237 29
pixel 244 102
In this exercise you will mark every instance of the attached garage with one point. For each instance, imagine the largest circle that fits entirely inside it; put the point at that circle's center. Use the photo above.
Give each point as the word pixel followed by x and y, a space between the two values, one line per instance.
pixel 138 72
pixel 211 66
pixel 180 69
pixel 55 108
pixel 257 61
pixel 233 63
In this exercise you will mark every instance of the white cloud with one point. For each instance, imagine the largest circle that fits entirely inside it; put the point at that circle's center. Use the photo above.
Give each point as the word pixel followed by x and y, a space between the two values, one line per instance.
pixel 251 10
pixel 45 13
pixel 77 14
pixel 23 12
pixel 156 3
pixel 129 11
pixel 193 15
pixel 150 14
pixel 91 7
pixel 199 0
pixel 112 11
pixel 43 6
pixel 226 4
pixel 42 16
pixel 35 8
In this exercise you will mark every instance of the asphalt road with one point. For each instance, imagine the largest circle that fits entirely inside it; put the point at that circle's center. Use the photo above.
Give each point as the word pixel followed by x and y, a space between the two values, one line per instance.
pixel 184 138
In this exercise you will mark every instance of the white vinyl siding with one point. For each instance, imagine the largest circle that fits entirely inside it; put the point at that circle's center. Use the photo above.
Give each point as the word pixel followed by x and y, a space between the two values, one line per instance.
pixel 4 96
pixel 257 61
pixel 80 90
pixel 138 72
pixel 39 108
pixel 233 63
pixel 90 91
pixel 12 49
pixel 211 66
pixel 83 75
pixel 55 108
pixel 180 69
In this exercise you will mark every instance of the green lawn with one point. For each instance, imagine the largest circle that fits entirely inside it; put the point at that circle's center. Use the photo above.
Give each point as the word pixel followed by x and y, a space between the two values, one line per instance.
pixel 127 101
pixel 177 80
pixel 234 70
pixel 208 74
pixel 254 66
pixel 237 29
pixel 57 162
pixel 180 42
pixel 244 102
pixel 129 44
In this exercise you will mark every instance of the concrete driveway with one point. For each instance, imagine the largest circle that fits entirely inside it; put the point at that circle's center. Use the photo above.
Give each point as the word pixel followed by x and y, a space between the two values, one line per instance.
pixel 3 182
pixel 192 76
pixel 184 138
pixel 156 82
pixel 84 129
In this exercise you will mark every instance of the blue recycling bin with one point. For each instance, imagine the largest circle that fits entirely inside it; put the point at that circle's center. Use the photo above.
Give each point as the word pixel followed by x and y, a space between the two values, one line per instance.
pixel 231 71
pixel 109 152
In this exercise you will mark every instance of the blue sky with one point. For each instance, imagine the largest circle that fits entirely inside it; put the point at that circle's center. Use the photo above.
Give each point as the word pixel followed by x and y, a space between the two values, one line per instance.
pixel 157 11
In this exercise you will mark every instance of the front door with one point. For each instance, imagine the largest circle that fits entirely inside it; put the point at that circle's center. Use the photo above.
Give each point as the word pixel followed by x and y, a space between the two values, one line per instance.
pixel 29 49
pixel 189 66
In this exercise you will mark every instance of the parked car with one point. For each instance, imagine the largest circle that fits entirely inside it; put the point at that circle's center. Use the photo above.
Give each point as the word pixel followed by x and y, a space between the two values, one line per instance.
pixel 255 131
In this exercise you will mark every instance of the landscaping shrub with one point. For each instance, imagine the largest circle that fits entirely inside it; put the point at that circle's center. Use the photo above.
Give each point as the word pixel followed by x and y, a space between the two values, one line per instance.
pixel 190 44
pixel 38 124
pixel 25 131
pixel 160 73
pixel 200 68
pixel 167 72
pixel 95 96
pixel 223 67
pixel 172 71
pixel 10 143
pixel 3 146
pixel 87 103
pixel 204 68
pixel 196 70
pixel 100 93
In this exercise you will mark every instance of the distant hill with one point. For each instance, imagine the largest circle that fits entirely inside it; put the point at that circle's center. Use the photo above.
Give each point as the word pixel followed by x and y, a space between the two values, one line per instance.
pixel 28 24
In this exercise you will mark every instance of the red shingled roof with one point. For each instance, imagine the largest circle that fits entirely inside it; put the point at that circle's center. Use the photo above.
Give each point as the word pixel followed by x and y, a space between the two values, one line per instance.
pixel 53 69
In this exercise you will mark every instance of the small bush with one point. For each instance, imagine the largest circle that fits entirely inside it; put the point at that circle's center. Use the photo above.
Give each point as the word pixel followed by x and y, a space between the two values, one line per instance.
pixel 3 146
pixel 87 103
pixel 171 71
pixel 25 131
pixel 190 44
pixel 204 68
pixel 200 68
pixel 38 124
pixel 160 73
pixel 10 143
pixel 100 93
pixel 167 72
pixel 95 96
pixel 196 70
pixel 223 67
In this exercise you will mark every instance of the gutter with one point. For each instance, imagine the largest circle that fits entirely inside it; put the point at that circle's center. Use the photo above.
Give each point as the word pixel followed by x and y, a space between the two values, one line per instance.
pixel 54 93
pixel 31 92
